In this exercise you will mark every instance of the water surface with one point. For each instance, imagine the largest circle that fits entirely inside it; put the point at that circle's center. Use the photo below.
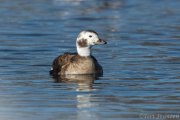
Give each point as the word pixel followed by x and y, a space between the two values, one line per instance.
pixel 141 61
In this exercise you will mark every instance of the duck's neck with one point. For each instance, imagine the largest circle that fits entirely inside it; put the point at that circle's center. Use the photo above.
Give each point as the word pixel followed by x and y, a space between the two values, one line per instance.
pixel 84 51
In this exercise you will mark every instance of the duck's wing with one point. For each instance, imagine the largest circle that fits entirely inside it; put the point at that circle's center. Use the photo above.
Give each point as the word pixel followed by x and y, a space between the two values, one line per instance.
pixel 60 62
pixel 98 67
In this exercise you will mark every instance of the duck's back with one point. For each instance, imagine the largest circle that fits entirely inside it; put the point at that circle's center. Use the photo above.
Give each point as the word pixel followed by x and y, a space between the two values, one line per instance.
pixel 72 63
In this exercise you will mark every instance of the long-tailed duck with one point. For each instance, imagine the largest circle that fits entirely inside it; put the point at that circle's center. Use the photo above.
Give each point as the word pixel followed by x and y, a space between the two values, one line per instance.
pixel 81 62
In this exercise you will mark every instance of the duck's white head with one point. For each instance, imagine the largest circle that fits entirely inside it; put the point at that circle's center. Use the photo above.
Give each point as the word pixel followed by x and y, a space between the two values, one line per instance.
pixel 85 40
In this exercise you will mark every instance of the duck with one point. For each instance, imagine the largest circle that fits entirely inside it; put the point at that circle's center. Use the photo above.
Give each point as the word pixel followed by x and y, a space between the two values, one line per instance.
pixel 82 62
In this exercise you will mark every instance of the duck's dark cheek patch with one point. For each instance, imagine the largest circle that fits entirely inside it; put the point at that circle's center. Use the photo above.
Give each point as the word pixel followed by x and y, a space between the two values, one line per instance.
pixel 82 43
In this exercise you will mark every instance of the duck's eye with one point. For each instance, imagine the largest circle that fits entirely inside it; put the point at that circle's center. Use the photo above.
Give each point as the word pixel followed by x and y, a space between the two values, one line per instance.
pixel 90 36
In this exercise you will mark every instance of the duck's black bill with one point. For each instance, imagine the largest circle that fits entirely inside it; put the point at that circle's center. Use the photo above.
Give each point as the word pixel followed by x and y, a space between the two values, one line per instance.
pixel 102 41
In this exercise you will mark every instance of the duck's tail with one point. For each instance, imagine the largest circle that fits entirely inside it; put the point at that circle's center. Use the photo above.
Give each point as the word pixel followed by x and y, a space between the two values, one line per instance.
pixel 51 71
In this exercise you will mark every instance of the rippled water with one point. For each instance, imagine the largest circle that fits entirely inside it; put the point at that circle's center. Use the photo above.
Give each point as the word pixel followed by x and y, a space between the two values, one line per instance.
pixel 141 61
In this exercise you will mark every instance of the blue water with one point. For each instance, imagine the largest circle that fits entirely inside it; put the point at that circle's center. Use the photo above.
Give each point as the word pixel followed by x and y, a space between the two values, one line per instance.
pixel 141 61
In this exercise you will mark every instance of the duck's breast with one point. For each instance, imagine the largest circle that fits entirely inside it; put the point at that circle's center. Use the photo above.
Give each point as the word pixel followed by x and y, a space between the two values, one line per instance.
pixel 82 65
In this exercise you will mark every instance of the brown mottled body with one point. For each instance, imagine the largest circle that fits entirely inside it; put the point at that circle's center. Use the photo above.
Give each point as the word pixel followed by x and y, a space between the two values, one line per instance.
pixel 74 64
pixel 81 63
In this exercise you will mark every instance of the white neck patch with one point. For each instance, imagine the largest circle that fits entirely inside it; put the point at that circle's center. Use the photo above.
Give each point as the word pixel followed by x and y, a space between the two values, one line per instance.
pixel 84 51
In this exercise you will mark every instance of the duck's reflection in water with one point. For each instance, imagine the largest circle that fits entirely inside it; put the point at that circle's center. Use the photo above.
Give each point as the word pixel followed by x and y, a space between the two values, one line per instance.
pixel 84 82
pixel 85 105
